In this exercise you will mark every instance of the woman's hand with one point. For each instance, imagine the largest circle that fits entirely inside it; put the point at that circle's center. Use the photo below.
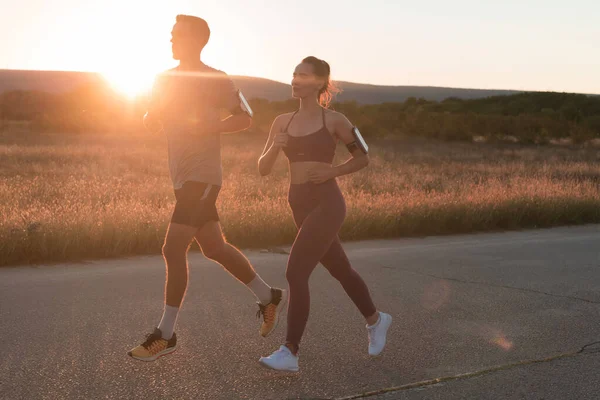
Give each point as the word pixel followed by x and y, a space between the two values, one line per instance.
pixel 321 173
pixel 280 140
pixel 274 144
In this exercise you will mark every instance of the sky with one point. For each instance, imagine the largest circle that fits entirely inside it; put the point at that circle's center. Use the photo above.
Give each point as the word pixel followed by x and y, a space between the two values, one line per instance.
pixel 522 45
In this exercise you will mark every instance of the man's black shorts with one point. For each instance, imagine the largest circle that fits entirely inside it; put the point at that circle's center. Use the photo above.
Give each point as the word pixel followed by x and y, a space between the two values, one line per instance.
pixel 196 204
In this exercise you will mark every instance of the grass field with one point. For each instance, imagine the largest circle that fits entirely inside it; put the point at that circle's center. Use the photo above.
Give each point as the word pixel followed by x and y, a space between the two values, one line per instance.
pixel 73 198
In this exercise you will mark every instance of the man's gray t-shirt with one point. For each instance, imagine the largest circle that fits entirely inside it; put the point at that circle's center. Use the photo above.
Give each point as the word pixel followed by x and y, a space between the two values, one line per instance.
pixel 188 103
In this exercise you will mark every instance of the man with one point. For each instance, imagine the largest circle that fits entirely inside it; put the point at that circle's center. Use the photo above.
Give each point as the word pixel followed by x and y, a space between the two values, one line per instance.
pixel 186 103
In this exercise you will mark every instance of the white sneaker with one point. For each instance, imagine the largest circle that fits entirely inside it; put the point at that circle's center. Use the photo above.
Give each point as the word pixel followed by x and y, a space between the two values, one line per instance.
pixel 281 360
pixel 378 334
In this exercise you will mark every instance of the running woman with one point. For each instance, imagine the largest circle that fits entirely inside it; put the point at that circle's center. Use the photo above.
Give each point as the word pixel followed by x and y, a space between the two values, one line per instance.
pixel 186 103
pixel 308 137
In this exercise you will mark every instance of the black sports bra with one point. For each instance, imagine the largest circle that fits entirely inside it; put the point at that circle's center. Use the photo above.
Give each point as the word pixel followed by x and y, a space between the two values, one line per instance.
pixel 318 146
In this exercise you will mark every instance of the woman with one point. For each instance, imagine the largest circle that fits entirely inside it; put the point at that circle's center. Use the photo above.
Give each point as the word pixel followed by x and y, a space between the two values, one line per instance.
pixel 308 137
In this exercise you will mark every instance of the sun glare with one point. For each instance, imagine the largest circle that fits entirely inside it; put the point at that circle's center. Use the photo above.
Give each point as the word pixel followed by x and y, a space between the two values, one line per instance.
pixel 130 82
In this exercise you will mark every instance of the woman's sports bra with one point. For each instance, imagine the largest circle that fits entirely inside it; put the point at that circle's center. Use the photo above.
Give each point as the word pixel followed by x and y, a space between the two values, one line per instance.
pixel 318 146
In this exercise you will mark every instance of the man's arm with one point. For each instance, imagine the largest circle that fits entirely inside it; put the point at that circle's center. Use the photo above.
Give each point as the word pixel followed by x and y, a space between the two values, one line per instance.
pixel 235 123
pixel 152 118
pixel 229 100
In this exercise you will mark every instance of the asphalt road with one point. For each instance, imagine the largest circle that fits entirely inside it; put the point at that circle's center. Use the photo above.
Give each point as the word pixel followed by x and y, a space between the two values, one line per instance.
pixel 507 315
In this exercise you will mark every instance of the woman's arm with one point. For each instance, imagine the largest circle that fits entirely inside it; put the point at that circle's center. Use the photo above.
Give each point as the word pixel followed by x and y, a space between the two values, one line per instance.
pixel 276 141
pixel 359 160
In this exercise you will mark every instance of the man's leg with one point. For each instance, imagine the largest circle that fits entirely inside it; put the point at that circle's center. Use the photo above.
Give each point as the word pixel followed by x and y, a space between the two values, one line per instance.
pixel 177 242
pixel 213 245
pixel 163 340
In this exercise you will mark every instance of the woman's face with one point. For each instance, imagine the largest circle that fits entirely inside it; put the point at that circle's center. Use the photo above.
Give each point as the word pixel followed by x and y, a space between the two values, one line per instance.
pixel 305 83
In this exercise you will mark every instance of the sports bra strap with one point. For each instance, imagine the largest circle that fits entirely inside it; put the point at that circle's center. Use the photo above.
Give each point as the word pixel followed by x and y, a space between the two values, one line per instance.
pixel 288 125
pixel 296 112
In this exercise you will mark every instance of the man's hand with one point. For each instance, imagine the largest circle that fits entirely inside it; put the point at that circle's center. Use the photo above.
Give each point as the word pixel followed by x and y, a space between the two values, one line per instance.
pixel 152 124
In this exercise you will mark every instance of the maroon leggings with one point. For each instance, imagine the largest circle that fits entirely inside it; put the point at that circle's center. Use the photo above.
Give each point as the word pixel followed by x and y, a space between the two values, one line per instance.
pixel 319 211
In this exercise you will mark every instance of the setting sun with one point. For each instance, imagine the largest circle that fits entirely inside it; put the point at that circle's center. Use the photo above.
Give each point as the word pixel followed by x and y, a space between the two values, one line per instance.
pixel 130 82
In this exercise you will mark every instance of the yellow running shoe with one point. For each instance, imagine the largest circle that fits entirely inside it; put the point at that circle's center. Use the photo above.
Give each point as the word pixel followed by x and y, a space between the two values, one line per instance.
pixel 154 347
pixel 270 312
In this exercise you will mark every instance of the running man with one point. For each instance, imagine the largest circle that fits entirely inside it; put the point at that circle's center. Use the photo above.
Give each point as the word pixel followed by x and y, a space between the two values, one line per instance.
pixel 186 103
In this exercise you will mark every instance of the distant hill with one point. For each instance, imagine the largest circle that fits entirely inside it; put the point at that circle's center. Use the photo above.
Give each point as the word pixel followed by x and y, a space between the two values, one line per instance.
pixel 62 81
pixel 44 81
pixel 373 94
pixel 262 88
pixel 364 93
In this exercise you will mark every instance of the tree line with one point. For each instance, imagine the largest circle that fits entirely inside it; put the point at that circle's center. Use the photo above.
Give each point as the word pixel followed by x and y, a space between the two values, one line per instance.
pixel 532 117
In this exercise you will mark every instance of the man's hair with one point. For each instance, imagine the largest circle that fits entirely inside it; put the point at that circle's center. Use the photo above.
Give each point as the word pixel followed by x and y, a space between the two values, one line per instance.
pixel 198 26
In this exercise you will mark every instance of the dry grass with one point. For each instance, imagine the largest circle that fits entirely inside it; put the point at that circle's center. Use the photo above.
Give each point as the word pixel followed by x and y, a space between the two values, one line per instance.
pixel 69 198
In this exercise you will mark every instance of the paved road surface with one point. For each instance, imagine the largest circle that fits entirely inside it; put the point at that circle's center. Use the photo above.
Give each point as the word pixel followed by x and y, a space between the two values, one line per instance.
pixel 472 311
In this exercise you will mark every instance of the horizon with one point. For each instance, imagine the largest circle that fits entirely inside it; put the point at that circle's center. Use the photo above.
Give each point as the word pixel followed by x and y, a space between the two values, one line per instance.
pixel 339 81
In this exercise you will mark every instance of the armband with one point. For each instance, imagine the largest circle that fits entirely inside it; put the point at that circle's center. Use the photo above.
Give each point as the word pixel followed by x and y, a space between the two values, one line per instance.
pixel 243 107
pixel 358 143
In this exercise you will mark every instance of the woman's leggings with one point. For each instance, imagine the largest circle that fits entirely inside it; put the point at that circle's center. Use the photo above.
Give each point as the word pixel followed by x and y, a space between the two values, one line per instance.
pixel 319 211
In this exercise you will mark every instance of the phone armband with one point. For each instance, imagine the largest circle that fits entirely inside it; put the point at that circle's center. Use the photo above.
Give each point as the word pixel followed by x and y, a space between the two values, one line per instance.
pixel 244 106
pixel 358 143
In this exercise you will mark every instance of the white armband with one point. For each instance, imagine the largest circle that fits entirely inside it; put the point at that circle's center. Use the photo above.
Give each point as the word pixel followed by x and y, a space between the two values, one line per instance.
pixel 244 106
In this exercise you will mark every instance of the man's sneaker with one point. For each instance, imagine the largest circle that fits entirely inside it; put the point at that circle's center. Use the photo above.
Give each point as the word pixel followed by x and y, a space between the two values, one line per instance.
pixel 154 347
pixel 378 334
pixel 270 312
pixel 281 360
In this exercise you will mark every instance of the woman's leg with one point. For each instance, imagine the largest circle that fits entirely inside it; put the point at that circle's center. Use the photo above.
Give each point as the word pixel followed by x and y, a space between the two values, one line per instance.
pixel 317 231
pixel 338 265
